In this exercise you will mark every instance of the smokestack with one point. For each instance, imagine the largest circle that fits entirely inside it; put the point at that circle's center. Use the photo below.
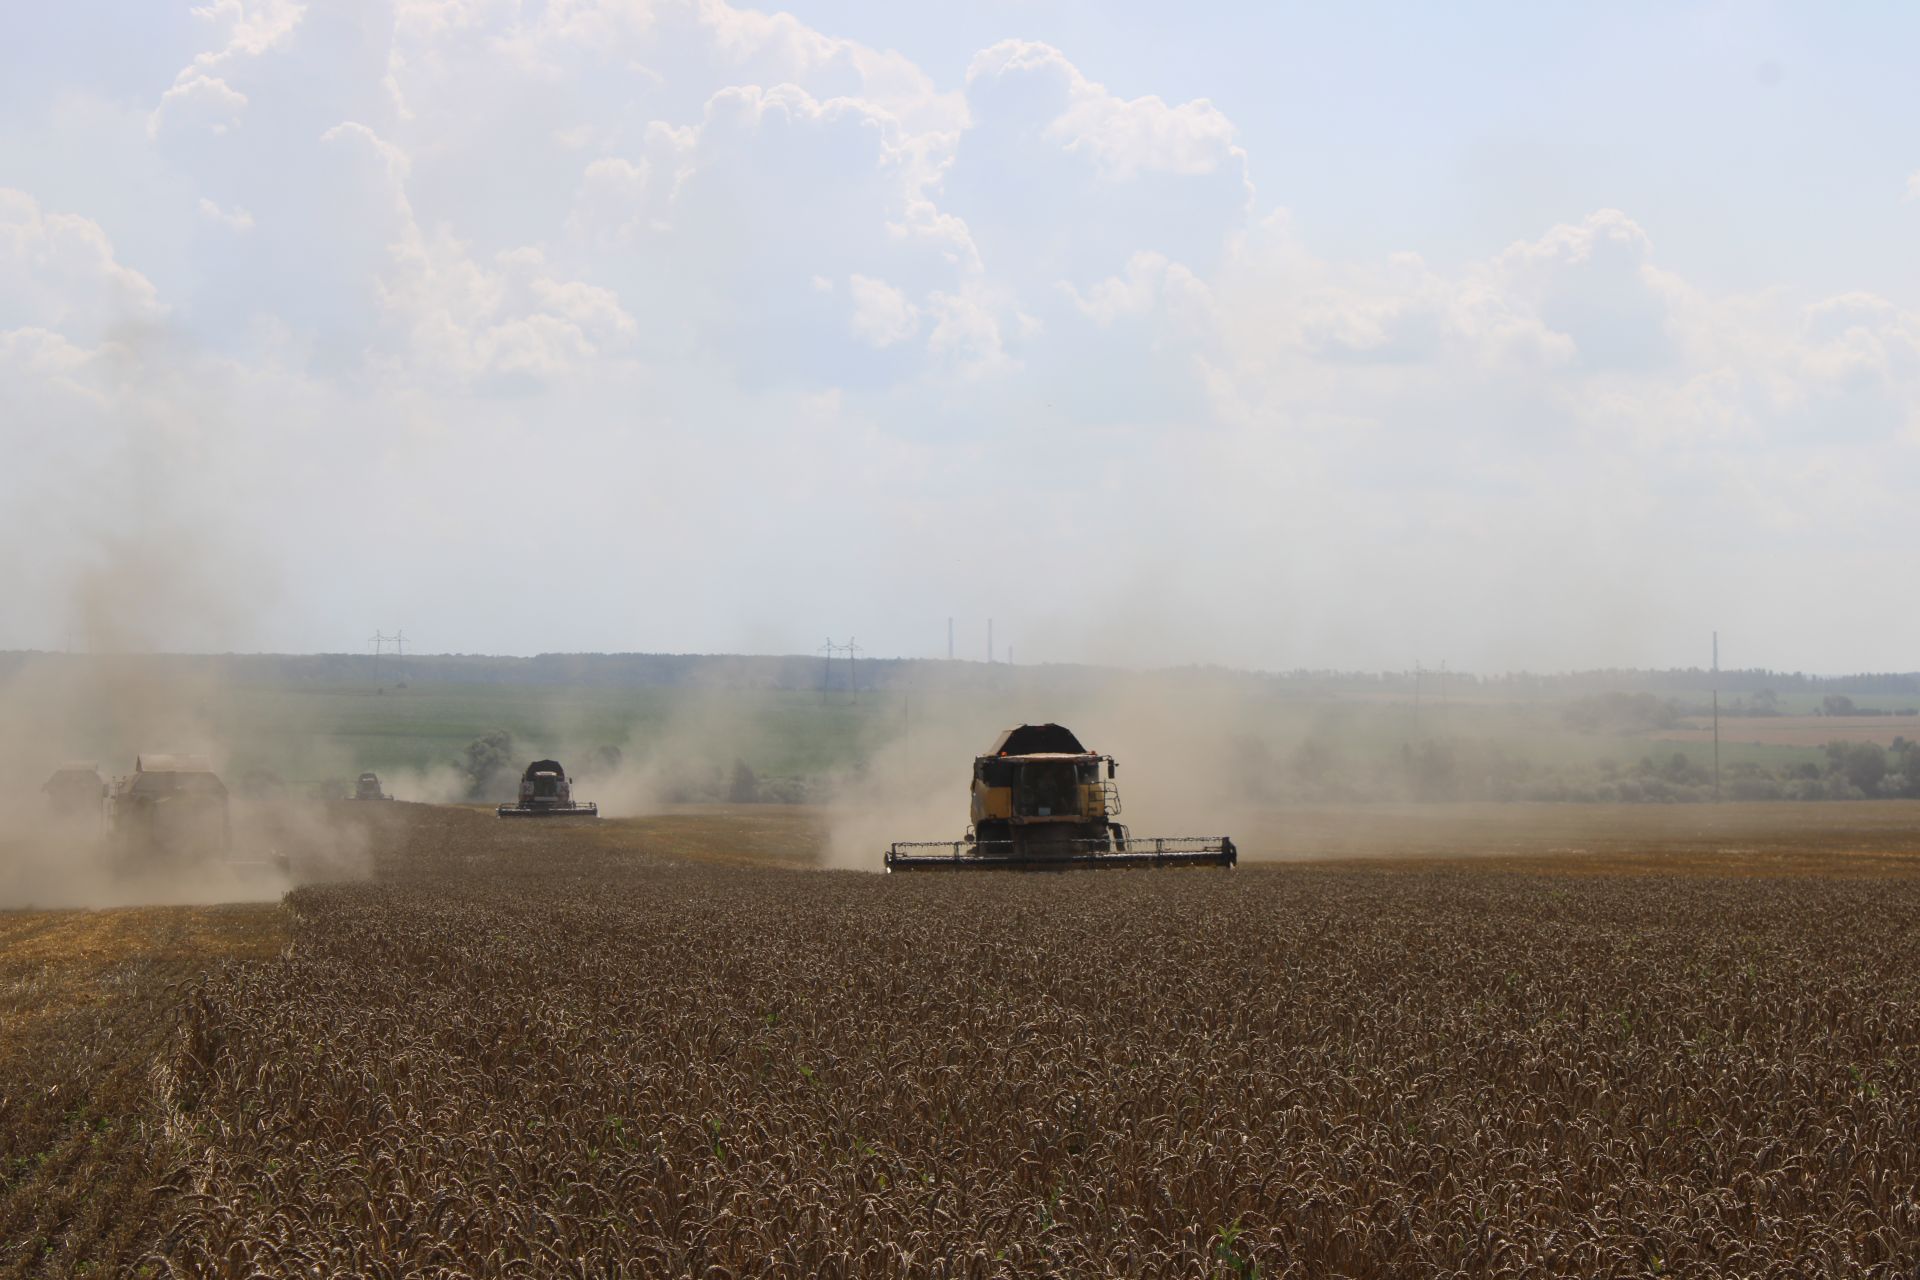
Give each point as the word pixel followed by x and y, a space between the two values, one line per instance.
pixel 989 639
pixel 949 639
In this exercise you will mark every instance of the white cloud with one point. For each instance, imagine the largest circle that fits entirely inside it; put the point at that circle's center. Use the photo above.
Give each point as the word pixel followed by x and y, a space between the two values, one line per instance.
pixel 48 362
pixel 1860 335
pixel 780 47
pixel 818 288
pixel 198 99
pixel 881 313
pixel 1058 178
pixel 967 332
pixel 1151 282
pixel 252 26
pixel 389 162
pixel 472 320
pixel 235 219
pixel 200 95
pixel 1126 137
pixel 58 272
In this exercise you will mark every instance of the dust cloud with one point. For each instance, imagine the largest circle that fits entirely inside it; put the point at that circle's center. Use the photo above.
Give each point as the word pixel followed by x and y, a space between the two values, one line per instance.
pixel 914 785
pixel 109 706
pixel 435 784
pixel 1287 769
pixel 692 748
pixel 1179 744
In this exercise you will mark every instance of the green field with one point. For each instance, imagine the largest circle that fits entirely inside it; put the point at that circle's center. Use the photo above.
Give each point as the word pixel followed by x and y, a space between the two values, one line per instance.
pixel 1211 736
pixel 307 732
pixel 312 733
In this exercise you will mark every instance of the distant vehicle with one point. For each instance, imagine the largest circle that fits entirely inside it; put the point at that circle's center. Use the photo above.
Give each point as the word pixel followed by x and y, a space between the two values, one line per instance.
pixel 76 792
pixel 1039 803
pixel 547 792
pixel 368 788
pixel 172 807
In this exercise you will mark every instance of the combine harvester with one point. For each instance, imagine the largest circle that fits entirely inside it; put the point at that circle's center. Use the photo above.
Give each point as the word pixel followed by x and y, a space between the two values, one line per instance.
pixel 367 787
pixel 1040 804
pixel 547 792
pixel 172 810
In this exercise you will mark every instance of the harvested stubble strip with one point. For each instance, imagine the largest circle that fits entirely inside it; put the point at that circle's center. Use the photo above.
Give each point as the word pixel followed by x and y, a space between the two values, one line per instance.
pixel 89 1001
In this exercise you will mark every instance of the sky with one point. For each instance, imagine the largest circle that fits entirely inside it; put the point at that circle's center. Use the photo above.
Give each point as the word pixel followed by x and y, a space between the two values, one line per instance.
pixel 1510 336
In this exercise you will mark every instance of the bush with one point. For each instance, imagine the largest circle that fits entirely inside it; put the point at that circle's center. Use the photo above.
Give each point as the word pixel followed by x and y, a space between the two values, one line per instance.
pixel 743 787
pixel 1751 788
pixel 784 791
pixel 489 762
pixel 1862 764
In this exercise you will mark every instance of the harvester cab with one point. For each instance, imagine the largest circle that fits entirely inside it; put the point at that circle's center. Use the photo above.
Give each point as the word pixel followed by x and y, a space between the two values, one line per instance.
pixel 547 792
pixel 367 787
pixel 1042 801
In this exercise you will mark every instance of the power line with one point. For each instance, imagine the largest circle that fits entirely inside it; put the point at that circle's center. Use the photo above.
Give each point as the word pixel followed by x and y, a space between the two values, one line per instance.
pixel 379 641
pixel 827 652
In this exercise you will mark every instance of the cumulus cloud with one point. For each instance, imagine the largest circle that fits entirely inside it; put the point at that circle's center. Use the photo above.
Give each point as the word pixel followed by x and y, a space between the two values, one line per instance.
pixel 1124 137
pixel 1595 283
pixel 249 27
pixel 200 96
pixel 1151 283
pixel 779 47
pixel 512 317
pixel 234 219
pixel 1058 177
pixel 967 331
pixel 881 313
pixel 58 272
pixel 735 274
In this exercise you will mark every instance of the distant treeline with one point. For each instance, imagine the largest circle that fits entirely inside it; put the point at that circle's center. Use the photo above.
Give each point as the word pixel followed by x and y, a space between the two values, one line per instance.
pixel 801 672
pixel 1450 769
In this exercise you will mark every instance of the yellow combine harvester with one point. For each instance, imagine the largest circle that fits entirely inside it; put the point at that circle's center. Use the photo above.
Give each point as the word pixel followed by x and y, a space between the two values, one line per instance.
pixel 1040 802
